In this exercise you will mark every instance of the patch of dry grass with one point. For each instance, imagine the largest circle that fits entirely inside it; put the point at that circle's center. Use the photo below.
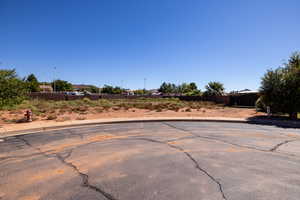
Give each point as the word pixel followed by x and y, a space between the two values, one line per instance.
pixel 57 110
pixel 51 117
pixel 80 118
pixel 82 106
pixel 63 119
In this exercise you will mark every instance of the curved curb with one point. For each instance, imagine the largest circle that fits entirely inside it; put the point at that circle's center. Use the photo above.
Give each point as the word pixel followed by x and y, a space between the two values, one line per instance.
pixel 284 124
pixel 117 121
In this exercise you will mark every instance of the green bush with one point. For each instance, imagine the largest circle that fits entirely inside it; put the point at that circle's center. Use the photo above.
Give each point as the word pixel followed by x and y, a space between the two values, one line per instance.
pixel 260 105
pixel 12 89
pixel 280 88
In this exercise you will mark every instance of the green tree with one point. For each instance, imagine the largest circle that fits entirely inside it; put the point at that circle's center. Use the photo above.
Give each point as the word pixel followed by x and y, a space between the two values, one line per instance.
pixel 32 83
pixel 193 86
pixel 214 89
pixel 112 90
pixel 12 88
pixel 93 89
pixel 141 92
pixel 118 90
pixel 184 89
pixel 60 85
pixel 280 88
pixel 188 89
pixel 272 86
pixel 107 89
pixel 168 88
pixel 292 85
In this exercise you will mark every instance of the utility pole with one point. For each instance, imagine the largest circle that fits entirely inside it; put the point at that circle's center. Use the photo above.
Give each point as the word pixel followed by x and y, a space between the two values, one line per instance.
pixel 54 87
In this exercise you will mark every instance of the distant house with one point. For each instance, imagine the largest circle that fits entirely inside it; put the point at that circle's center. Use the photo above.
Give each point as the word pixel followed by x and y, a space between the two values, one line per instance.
pixel 154 92
pixel 244 97
pixel 242 92
pixel 247 91
pixel 46 88
pixel 128 92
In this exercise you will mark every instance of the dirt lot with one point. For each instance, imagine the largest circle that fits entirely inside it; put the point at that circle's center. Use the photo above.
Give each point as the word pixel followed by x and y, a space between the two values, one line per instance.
pixel 86 109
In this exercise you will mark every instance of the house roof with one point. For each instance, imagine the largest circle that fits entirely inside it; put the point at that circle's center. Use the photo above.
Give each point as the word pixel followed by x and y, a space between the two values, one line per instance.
pixel 247 91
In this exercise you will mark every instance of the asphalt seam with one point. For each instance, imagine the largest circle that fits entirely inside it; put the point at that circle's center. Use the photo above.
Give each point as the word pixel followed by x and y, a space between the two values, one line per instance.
pixel 62 159
pixel 197 166
pixel 214 139
pixel 280 144
pixel 273 149
pixel 35 148
pixel 84 177
pixel 201 169
pixel 23 156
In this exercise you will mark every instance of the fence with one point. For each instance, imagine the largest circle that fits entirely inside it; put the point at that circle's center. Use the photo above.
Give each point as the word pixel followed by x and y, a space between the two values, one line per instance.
pixel 65 97
pixel 217 99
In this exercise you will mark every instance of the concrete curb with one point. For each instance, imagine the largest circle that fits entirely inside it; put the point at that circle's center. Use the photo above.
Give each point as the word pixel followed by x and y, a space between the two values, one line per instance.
pixel 284 124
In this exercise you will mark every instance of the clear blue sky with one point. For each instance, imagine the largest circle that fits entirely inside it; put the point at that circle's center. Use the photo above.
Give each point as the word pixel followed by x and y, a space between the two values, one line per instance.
pixel 121 42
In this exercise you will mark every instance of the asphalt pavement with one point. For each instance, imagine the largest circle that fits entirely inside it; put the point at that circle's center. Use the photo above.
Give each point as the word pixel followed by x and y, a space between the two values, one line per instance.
pixel 153 161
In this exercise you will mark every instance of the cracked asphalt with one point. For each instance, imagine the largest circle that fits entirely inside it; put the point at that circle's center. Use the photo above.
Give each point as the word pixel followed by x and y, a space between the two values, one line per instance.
pixel 153 160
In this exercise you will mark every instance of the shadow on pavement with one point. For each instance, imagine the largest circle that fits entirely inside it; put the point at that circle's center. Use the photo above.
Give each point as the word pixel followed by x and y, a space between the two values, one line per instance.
pixel 279 121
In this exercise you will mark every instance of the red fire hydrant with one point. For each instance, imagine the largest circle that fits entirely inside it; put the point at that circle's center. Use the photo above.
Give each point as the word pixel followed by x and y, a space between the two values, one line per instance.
pixel 28 116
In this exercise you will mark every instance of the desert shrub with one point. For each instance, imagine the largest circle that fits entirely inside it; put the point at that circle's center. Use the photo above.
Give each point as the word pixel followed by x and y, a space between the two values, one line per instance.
pixel 63 119
pixel 16 120
pixel 51 117
pixel 260 105
pixel 90 102
pixel 105 103
pixel 80 118
pixel 80 109
pixel 174 107
pixel 62 111
pixel 116 108
pixel 99 109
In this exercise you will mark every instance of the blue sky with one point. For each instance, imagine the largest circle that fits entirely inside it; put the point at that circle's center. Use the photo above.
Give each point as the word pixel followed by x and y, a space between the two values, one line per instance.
pixel 121 42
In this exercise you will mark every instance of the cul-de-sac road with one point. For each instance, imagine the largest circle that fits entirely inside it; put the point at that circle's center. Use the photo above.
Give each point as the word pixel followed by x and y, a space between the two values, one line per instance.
pixel 153 161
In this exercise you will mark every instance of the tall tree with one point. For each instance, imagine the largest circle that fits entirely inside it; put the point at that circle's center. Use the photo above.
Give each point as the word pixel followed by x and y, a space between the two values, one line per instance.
pixel 167 88
pixel 214 89
pixel 184 89
pixel 60 85
pixel 112 90
pixel 193 86
pixel 12 88
pixel 93 89
pixel 32 83
pixel 280 88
